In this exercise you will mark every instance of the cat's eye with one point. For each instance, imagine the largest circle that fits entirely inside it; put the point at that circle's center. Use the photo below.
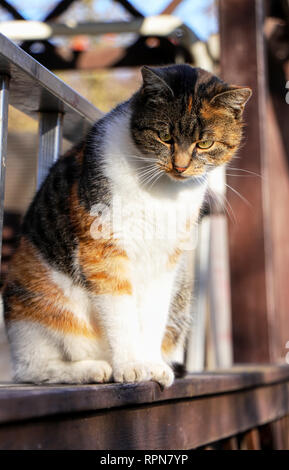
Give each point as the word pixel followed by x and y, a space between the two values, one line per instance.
pixel 205 144
pixel 165 136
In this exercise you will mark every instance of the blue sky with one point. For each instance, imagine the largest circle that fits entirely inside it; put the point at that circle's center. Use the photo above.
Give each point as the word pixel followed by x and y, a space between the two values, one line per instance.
pixel 193 12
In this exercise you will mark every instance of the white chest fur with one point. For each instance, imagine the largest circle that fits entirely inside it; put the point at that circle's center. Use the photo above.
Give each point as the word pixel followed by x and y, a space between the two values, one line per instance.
pixel 148 221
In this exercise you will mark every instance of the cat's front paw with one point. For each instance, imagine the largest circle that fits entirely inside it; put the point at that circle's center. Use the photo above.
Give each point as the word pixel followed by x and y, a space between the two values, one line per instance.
pixel 95 371
pixel 143 371
pixel 162 373
pixel 129 372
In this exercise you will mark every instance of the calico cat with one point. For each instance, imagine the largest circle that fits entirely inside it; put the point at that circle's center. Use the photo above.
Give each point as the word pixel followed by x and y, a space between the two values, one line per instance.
pixel 94 293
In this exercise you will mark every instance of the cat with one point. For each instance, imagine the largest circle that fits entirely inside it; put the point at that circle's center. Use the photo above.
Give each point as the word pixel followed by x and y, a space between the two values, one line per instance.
pixel 91 301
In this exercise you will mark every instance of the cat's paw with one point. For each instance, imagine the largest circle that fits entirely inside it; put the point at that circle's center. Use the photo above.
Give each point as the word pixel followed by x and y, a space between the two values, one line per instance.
pixel 129 372
pixel 143 371
pixel 162 373
pixel 96 371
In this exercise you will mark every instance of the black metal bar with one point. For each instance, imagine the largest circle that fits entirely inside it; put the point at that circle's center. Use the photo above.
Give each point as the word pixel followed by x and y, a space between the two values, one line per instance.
pixel 60 8
pixel 131 9
pixel 11 10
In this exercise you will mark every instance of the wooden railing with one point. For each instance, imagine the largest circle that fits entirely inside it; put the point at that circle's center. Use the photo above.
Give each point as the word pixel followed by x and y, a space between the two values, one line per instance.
pixel 227 409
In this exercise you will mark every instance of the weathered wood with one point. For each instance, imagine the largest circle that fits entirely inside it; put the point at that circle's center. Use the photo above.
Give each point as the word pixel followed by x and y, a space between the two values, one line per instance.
pixel 277 182
pixel 250 440
pixel 242 63
pixel 20 402
pixel 230 444
pixel 177 424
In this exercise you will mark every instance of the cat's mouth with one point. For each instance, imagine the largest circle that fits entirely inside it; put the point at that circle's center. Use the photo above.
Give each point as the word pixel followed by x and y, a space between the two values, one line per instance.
pixel 176 176
pixel 182 176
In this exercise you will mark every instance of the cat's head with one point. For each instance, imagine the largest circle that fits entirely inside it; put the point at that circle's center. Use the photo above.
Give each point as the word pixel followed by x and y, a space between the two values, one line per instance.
pixel 187 119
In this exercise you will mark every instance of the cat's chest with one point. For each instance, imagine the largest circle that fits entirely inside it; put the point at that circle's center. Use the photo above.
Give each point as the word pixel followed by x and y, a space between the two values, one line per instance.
pixel 154 231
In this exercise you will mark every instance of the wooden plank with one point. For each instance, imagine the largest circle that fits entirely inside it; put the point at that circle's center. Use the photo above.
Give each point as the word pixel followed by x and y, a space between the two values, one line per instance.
pixel 250 440
pixel 230 444
pixel 242 63
pixel 277 182
pixel 183 424
pixel 20 402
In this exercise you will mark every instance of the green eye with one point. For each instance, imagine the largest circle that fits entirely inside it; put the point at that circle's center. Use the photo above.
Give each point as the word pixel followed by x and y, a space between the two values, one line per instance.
pixel 165 136
pixel 205 144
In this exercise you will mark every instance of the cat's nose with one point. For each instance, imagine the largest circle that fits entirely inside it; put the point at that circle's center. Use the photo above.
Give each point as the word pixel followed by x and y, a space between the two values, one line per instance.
pixel 180 169
pixel 181 158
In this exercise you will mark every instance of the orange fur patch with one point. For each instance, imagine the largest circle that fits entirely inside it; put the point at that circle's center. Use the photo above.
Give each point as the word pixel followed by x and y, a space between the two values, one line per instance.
pixel 50 315
pixel 209 111
pixel 47 304
pixel 173 258
pixel 169 341
pixel 190 103
pixel 103 263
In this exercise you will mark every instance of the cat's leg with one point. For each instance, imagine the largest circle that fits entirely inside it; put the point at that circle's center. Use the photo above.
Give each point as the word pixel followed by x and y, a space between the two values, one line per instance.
pixel 50 333
pixel 38 357
pixel 120 318
pixel 154 302
pixel 135 326
pixel 180 312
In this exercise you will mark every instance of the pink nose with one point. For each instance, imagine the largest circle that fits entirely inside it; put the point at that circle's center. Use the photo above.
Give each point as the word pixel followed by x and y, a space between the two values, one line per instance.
pixel 180 169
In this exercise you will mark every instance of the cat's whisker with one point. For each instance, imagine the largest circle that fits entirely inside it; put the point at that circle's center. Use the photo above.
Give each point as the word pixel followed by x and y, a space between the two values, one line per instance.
pixel 147 171
pixel 151 177
pixel 148 178
pixel 240 195
pixel 231 214
pixel 240 176
pixel 146 167
pixel 223 202
pixel 245 171
pixel 147 175
pixel 157 177
pixel 143 158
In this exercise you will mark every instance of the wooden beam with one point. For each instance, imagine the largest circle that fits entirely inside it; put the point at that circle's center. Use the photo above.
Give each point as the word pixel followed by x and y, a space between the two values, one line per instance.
pixel 176 424
pixel 243 63
pixel 22 402
pixel 171 6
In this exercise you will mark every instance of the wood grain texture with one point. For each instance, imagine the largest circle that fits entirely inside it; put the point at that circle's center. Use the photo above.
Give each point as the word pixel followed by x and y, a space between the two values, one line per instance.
pixel 178 424
pixel 242 63
pixel 250 440
pixel 21 402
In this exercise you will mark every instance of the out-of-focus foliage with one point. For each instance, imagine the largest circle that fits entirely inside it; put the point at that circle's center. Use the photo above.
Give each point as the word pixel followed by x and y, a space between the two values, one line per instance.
pixel 104 88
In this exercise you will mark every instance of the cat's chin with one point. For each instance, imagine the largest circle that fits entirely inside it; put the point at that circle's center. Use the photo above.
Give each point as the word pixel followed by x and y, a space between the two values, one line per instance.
pixel 184 178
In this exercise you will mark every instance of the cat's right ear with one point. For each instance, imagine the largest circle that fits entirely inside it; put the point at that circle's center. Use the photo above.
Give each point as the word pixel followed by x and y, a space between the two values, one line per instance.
pixel 153 84
pixel 233 99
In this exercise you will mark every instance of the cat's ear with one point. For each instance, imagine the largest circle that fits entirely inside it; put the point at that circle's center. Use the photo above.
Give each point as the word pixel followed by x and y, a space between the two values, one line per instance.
pixel 234 99
pixel 154 84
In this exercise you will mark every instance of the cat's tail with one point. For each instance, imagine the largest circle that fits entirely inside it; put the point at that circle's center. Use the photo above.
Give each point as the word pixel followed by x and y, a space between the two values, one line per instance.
pixel 179 369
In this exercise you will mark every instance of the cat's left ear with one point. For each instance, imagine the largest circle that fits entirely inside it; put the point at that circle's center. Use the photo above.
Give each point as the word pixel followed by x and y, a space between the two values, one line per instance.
pixel 234 99
pixel 154 84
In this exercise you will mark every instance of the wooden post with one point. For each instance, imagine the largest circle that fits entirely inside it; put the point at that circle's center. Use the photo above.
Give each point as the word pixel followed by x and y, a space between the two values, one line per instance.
pixel 243 63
